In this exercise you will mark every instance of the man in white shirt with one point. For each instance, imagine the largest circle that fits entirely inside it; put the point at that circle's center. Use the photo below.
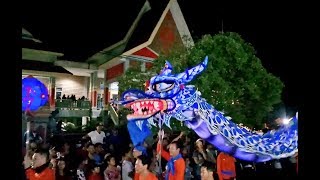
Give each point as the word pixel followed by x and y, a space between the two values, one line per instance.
pixel 98 135
pixel 127 166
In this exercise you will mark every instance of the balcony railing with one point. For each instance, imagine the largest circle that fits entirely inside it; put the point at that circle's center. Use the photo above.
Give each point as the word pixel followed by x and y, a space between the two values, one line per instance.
pixel 113 114
pixel 70 104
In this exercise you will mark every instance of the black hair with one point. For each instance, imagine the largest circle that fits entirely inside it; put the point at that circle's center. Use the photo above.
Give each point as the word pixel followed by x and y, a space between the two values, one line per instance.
pixel 108 158
pixel 91 166
pixel 99 124
pixel 265 130
pixel 43 152
pixel 97 144
pixel 209 165
pixel 85 140
pixel 178 144
pixel 79 160
pixel 90 144
pixel 145 160
pixel 125 150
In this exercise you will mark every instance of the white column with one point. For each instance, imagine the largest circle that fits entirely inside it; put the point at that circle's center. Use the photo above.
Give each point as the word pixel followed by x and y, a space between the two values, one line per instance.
pixel 143 67
pixel 94 86
pixel 126 64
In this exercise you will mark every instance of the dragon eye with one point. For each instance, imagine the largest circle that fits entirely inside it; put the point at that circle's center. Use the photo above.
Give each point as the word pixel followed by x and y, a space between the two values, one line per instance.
pixel 163 86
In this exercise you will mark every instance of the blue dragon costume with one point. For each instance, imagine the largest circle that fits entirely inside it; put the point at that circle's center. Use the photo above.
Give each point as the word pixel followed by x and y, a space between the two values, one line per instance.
pixel 169 96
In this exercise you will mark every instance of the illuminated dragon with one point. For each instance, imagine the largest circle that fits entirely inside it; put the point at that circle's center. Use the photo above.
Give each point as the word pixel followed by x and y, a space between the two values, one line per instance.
pixel 169 96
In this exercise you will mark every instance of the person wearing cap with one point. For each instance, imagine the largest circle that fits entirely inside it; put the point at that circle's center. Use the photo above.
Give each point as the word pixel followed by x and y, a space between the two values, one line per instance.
pixel 138 151
pixel 98 135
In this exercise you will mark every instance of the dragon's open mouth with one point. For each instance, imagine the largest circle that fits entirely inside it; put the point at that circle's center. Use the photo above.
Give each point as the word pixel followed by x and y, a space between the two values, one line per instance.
pixel 145 108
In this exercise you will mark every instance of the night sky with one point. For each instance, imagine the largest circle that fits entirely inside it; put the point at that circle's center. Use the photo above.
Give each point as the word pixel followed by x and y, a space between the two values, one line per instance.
pixel 81 32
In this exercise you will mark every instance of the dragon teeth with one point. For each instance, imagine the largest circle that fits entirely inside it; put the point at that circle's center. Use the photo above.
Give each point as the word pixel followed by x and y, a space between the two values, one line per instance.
pixel 156 105
pixel 138 105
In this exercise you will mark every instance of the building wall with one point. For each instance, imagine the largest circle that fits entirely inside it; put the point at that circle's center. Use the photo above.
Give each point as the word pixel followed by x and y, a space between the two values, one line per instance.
pixel 115 71
pixel 77 85
pixel 145 52
pixel 167 36
pixel 133 63
pixel 113 93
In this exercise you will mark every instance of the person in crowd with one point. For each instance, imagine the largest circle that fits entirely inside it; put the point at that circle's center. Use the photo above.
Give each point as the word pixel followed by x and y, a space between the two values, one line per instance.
pixel 112 172
pixel 94 171
pixel 39 169
pixel 62 172
pixel 226 167
pixel 200 155
pixel 188 174
pixel 176 166
pixel 92 155
pixel 142 169
pixel 207 170
pixel 127 166
pixel 97 136
pixel 82 165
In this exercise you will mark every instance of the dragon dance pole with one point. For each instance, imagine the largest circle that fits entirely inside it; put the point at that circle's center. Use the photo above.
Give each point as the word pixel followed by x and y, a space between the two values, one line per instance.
pixel 28 130
pixel 28 122
pixel 160 139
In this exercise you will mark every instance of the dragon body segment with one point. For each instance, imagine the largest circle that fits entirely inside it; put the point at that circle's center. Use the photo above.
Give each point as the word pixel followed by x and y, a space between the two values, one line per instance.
pixel 170 96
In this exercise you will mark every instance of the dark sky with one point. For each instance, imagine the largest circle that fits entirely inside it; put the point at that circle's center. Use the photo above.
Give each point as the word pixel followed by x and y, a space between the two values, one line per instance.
pixel 273 29
pixel 79 32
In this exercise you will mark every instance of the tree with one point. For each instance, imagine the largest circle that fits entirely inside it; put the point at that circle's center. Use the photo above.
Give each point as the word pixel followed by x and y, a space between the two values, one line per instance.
pixel 235 81
pixel 133 78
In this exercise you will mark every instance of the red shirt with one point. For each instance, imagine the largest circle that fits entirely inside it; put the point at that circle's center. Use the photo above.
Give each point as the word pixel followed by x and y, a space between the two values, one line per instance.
pixel 82 153
pixel 179 165
pixel 226 163
pixel 150 176
pixel 46 174
pixel 95 176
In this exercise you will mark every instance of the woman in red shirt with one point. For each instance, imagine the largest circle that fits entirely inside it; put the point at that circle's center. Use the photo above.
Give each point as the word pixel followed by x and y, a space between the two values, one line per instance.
pixel 95 173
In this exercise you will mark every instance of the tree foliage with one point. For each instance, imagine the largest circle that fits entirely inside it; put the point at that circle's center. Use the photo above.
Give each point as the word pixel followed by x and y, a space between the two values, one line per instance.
pixel 133 79
pixel 234 82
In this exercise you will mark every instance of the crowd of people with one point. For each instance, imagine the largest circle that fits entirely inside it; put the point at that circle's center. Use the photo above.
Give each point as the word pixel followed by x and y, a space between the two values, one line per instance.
pixel 103 155
pixel 72 97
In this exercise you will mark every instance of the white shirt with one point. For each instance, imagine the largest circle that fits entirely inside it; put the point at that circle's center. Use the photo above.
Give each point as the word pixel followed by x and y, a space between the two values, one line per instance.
pixel 96 137
pixel 127 167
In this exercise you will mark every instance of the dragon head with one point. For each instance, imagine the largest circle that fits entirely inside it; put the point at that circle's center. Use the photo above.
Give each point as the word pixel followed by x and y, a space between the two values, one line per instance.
pixel 165 92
